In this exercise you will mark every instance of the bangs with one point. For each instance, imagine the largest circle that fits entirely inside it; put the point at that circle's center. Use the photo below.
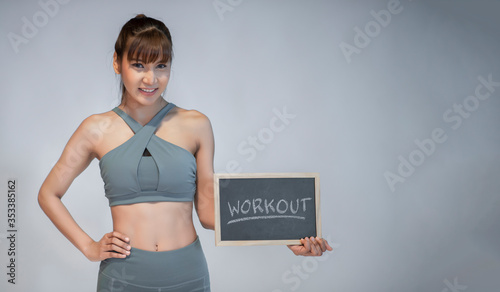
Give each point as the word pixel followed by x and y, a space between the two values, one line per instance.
pixel 149 47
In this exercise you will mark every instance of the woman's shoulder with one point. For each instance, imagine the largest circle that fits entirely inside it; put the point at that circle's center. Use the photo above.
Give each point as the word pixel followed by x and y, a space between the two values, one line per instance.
pixel 191 117
pixel 98 123
pixel 196 123
pixel 189 113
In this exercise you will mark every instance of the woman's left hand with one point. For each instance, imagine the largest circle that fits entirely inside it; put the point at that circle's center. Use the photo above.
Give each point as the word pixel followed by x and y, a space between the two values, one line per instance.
pixel 311 246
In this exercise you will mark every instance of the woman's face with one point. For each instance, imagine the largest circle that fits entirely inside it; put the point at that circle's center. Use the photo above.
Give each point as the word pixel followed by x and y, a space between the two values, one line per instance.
pixel 144 82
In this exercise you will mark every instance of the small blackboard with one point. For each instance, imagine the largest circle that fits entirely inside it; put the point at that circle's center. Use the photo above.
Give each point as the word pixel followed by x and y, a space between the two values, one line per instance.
pixel 266 208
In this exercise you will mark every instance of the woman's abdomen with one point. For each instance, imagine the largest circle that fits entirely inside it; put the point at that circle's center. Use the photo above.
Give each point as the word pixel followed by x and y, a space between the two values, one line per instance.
pixel 158 226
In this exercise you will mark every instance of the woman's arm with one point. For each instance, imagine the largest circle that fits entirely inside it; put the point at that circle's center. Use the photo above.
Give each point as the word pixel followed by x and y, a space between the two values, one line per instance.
pixel 75 158
pixel 204 199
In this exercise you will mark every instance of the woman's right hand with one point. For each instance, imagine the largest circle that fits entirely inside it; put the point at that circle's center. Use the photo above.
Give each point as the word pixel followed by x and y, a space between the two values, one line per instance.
pixel 111 245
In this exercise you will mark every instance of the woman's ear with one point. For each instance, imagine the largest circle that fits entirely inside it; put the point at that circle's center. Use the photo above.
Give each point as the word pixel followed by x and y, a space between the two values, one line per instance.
pixel 116 64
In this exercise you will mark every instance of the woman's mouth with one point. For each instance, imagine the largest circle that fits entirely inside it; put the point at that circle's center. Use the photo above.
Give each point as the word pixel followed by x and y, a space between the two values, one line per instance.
pixel 148 91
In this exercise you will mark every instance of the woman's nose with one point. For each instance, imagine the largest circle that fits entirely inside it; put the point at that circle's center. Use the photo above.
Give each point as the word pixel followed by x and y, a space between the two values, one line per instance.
pixel 149 77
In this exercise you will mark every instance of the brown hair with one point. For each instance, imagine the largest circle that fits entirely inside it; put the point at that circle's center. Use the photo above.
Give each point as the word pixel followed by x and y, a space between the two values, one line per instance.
pixel 146 39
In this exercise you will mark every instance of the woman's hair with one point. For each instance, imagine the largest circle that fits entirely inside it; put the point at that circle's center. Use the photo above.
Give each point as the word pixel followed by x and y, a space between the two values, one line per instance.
pixel 146 39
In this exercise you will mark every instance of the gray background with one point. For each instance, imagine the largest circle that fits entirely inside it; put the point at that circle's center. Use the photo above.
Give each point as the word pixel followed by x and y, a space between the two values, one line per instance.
pixel 437 231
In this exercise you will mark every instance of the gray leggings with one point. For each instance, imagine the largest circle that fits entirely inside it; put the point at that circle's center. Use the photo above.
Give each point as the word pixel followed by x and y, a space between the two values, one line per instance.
pixel 183 269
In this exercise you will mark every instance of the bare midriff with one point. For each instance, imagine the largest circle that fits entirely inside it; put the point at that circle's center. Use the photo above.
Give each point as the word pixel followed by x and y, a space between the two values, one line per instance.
pixel 158 226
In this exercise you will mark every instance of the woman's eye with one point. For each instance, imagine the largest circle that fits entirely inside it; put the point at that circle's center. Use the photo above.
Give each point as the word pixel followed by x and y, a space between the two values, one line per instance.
pixel 162 66
pixel 137 65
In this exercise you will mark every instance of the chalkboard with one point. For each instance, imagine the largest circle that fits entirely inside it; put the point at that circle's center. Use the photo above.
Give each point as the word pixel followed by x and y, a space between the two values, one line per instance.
pixel 266 208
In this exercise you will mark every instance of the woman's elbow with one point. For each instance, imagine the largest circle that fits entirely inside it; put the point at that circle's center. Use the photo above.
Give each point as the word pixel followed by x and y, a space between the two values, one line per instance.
pixel 41 197
pixel 44 197
pixel 207 221
pixel 207 225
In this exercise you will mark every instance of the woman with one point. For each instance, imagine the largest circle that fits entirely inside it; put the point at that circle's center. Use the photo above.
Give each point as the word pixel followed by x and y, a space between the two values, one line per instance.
pixel 156 159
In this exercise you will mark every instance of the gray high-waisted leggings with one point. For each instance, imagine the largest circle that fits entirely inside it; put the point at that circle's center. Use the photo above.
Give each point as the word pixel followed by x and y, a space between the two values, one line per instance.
pixel 183 269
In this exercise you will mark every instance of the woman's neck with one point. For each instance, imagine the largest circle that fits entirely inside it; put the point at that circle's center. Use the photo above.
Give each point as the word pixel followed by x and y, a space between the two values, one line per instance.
pixel 142 113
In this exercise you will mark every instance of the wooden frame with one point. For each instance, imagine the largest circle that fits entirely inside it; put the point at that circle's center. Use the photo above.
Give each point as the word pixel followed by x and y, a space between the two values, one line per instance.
pixel 218 176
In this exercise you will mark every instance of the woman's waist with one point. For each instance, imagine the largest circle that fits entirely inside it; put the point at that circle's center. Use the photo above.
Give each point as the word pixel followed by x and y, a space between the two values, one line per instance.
pixel 156 237
pixel 155 227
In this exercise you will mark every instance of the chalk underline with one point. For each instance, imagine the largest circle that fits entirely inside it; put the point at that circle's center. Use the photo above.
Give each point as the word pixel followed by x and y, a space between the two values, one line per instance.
pixel 265 217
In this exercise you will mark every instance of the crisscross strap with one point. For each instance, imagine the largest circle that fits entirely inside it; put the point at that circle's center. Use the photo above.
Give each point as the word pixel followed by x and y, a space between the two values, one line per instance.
pixel 155 121
pixel 142 134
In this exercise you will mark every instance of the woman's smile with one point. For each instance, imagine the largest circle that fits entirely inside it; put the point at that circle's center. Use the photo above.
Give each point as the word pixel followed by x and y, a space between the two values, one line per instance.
pixel 148 91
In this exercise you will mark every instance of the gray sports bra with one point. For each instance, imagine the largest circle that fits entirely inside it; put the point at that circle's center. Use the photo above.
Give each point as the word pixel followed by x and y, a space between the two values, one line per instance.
pixel 168 174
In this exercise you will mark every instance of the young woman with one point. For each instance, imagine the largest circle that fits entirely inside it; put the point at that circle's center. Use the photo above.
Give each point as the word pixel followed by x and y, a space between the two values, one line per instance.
pixel 156 159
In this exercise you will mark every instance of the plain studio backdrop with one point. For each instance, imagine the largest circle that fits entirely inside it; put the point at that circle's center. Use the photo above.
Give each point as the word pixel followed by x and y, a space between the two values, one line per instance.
pixel 395 103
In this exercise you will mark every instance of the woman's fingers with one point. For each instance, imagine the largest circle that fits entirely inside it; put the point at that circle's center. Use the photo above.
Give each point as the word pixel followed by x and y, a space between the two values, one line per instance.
pixel 114 245
pixel 116 248
pixel 120 236
pixel 315 247
pixel 324 244
pixel 311 246
pixel 119 244
pixel 300 249
pixel 110 254
pixel 111 245
pixel 121 239
pixel 307 246
pixel 327 246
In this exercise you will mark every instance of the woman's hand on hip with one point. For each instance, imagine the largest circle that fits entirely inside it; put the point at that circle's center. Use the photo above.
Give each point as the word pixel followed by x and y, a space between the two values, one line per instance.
pixel 111 245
